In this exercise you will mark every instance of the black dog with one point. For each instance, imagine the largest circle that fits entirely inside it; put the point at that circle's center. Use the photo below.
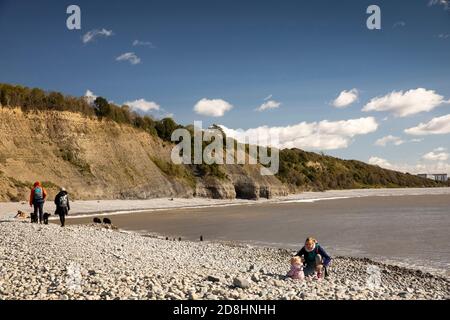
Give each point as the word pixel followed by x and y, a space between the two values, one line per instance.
pixel 97 220
pixel 34 217
pixel 46 215
pixel 106 221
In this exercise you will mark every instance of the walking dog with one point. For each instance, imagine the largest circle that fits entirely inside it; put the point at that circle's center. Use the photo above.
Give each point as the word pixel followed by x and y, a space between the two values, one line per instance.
pixel 46 215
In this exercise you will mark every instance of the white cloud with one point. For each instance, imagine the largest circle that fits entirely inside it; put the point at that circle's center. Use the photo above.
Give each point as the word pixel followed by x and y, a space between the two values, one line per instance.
pixel 268 97
pixel 323 135
pixel 271 104
pixel 129 56
pixel 382 142
pixel 436 155
pixel 90 97
pixel 445 3
pixel 93 34
pixel 399 24
pixel 376 161
pixel 143 43
pixel 403 104
pixel 433 167
pixel 143 105
pixel 346 98
pixel 443 35
pixel 212 107
pixel 439 125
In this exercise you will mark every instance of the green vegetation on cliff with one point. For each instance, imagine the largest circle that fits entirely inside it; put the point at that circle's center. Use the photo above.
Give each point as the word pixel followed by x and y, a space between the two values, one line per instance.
pixel 30 99
pixel 309 170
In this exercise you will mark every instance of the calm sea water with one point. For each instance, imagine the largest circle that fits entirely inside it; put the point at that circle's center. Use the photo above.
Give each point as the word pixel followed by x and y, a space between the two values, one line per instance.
pixel 407 230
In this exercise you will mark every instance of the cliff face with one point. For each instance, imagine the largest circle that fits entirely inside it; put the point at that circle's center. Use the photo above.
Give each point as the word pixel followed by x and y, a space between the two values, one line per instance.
pixel 101 159
pixel 244 182
pixel 104 160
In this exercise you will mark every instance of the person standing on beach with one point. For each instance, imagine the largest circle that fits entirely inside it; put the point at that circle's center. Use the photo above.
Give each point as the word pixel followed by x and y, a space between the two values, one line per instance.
pixel 37 199
pixel 62 205
pixel 315 258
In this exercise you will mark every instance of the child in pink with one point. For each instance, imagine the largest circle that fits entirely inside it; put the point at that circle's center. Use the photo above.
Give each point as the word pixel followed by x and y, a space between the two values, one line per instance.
pixel 296 271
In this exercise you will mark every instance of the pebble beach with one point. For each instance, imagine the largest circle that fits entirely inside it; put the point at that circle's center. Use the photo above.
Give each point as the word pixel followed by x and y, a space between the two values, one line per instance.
pixel 97 262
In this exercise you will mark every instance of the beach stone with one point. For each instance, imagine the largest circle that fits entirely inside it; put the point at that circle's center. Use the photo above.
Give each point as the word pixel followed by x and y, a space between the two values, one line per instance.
pixel 193 296
pixel 4 291
pixel 241 282
pixel 278 283
pixel 304 295
pixel 214 279
pixel 404 294
pixel 255 277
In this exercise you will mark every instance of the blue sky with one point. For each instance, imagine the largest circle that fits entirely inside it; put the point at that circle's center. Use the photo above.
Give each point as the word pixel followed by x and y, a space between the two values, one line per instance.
pixel 228 58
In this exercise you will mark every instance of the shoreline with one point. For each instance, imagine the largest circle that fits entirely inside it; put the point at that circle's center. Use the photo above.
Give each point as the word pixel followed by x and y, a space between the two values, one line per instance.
pixel 99 263
pixel 384 261
pixel 84 208
pixel 435 271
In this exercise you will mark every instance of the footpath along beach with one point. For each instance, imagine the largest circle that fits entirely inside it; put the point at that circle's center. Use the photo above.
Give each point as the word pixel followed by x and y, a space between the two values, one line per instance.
pixel 94 262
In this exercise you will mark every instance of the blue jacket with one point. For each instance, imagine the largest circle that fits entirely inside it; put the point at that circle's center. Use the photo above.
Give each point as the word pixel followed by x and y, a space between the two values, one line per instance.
pixel 310 257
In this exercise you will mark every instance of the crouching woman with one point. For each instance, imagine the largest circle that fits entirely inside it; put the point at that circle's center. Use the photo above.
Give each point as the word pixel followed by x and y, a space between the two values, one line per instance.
pixel 314 257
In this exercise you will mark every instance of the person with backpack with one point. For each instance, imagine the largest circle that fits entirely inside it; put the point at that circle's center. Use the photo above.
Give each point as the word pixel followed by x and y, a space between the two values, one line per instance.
pixel 62 205
pixel 38 196
pixel 315 258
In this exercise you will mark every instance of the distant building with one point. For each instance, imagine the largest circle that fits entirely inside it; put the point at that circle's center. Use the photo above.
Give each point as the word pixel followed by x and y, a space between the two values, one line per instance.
pixel 434 176
pixel 441 177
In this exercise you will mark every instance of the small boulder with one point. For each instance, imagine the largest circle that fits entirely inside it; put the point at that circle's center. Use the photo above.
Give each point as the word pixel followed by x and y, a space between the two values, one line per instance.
pixel 241 283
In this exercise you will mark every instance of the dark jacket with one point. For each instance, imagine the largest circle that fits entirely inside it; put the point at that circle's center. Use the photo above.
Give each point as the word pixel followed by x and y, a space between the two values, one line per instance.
pixel 310 257
pixel 62 210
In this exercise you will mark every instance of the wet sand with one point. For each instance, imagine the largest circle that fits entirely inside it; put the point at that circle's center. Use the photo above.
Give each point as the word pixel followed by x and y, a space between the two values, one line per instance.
pixel 412 230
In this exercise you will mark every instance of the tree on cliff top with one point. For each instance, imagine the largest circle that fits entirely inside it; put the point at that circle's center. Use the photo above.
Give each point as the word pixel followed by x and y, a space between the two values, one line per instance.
pixel 102 107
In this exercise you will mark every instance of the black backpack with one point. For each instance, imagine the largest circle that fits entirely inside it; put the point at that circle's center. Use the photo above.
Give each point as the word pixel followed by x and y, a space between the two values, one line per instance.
pixel 63 201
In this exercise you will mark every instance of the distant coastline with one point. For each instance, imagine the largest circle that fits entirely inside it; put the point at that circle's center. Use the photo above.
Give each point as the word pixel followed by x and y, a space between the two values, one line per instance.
pixel 83 208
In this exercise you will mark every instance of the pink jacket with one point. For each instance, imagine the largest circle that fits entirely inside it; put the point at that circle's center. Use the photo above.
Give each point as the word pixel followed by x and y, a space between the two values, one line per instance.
pixel 296 272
